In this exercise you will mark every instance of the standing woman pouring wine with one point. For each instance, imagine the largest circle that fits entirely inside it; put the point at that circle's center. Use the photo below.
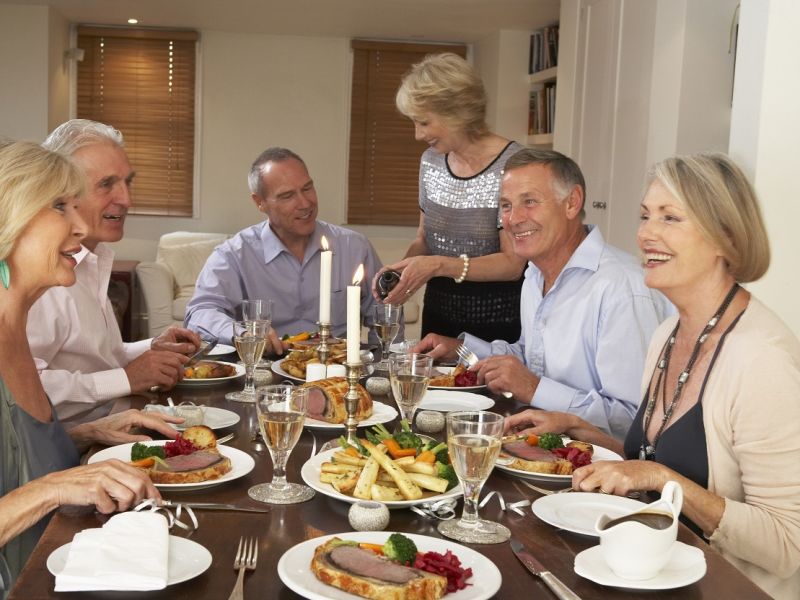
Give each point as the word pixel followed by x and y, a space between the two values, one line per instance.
pixel 473 277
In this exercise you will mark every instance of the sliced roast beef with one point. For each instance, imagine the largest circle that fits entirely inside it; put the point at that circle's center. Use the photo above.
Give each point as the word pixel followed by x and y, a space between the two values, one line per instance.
pixel 191 462
pixel 525 451
pixel 318 405
pixel 365 563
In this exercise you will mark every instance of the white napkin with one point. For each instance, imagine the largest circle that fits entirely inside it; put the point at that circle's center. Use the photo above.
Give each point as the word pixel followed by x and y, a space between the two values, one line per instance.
pixel 130 552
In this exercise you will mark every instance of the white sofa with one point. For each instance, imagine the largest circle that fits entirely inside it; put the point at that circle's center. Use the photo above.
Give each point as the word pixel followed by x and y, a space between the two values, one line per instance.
pixel 167 284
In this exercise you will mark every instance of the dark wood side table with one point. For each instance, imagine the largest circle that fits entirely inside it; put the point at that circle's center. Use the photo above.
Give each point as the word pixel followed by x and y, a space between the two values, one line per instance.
pixel 124 294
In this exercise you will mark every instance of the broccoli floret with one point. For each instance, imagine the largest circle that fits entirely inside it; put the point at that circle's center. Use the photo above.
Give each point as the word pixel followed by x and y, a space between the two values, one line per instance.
pixel 140 451
pixel 407 438
pixel 439 450
pixel 548 441
pixel 401 549
pixel 447 472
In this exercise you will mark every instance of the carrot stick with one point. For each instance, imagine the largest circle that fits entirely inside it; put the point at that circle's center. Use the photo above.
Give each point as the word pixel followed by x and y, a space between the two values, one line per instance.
pixel 532 440
pixel 377 548
pixel 396 451
pixel 427 457
pixel 143 463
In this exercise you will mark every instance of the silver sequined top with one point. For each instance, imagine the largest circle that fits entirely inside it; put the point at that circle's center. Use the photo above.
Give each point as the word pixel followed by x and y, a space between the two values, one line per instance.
pixel 461 213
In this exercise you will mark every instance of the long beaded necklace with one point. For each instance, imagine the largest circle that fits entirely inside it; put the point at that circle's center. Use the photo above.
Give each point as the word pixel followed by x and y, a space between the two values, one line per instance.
pixel 648 451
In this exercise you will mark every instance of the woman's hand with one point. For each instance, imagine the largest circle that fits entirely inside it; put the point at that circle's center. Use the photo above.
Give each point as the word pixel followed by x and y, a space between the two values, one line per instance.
pixel 415 272
pixel 621 477
pixel 539 421
pixel 119 428
pixel 109 485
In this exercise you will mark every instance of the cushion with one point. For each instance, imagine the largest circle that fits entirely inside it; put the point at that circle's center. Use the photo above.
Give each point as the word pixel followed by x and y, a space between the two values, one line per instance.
pixel 186 261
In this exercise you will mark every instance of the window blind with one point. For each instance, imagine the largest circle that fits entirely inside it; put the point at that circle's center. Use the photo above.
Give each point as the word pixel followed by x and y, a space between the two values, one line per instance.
pixel 142 82
pixel 384 157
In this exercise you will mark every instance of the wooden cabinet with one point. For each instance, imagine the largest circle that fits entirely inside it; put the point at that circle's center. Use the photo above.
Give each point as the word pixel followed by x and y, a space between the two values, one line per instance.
pixel 124 295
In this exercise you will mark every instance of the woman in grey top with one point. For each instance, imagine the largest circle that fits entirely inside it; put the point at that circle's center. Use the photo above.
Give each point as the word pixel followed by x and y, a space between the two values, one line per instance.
pixel 40 231
pixel 473 276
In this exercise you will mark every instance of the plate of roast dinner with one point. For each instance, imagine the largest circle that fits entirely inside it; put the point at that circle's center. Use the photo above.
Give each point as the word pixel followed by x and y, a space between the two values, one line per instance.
pixel 370 564
pixel 290 368
pixel 190 462
pixel 326 406
pixel 549 457
pixel 210 372
pixel 454 378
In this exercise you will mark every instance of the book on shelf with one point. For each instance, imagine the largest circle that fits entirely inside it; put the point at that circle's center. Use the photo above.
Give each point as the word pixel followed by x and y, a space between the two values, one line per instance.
pixel 541 110
pixel 544 49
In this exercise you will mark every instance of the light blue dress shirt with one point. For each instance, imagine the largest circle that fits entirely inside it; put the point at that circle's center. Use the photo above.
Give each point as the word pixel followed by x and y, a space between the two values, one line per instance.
pixel 255 264
pixel 587 337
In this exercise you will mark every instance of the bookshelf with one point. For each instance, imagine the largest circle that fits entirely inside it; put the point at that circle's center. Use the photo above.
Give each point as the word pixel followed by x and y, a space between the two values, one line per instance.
pixel 542 80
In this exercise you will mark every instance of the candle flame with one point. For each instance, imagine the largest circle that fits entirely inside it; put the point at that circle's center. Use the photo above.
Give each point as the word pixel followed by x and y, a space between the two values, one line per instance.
pixel 358 275
pixel 324 243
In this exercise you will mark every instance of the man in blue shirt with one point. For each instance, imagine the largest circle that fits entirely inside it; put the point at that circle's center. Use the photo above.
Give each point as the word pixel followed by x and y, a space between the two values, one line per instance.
pixel 279 259
pixel 587 316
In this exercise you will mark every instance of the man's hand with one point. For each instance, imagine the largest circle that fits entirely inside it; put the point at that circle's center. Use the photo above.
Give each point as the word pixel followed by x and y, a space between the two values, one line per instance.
pixel 507 374
pixel 108 485
pixel 121 428
pixel 274 347
pixel 155 368
pixel 177 339
pixel 439 347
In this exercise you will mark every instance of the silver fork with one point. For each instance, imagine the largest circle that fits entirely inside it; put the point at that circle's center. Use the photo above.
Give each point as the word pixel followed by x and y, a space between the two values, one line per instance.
pixel 544 491
pixel 246 557
pixel 468 356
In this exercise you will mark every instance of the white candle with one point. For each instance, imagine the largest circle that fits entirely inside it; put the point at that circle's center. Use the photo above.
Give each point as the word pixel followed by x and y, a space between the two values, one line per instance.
pixel 354 317
pixel 325 283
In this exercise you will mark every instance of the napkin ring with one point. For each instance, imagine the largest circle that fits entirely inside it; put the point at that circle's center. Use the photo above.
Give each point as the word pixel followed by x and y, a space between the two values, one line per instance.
pixel 150 505
pixel 444 509
pixel 514 506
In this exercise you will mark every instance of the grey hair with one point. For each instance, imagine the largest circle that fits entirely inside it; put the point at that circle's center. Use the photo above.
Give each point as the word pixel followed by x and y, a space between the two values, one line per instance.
pixel 566 172
pixel 75 134
pixel 273 154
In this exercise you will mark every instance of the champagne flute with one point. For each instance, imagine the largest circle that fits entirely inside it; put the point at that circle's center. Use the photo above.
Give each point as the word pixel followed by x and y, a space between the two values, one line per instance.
pixel 473 440
pixel 409 375
pixel 250 339
pixel 387 325
pixel 281 414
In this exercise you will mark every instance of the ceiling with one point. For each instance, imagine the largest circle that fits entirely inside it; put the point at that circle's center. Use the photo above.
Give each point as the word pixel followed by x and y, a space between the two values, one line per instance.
pixel 423 20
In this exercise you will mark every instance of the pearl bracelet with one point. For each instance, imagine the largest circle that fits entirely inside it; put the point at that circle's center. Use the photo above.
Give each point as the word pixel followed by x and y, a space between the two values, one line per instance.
pixel 465 270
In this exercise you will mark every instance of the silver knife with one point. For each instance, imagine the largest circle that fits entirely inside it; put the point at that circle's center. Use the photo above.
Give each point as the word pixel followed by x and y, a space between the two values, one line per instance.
pixel 534 566
pixel 212 506
pixel 202 353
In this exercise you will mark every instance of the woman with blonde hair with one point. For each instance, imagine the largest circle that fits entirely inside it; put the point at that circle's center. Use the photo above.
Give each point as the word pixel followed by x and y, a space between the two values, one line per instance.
pixel 721 386
pixel 473 277
pixel 40 232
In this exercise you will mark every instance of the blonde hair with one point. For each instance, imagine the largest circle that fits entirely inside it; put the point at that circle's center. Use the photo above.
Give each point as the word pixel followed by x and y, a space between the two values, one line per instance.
pixel 446 85
pixel 31 178
pixel 723 204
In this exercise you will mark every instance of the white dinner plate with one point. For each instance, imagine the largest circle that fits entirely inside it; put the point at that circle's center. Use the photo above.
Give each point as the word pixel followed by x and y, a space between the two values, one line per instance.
pixel 578 511
pixel 599 453
pixel 294 567
pixel 450 399
pixel 213 417
pixel 214 380
pixel 187 559
pixel 241 464
pixel 313 467
pixel 446 371
pixel 686 565
pixel 381 413
pixel 366 371
pixel 221 349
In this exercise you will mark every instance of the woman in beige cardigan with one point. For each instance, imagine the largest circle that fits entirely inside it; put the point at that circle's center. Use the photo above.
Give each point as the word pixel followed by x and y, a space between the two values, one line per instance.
pixel 721 388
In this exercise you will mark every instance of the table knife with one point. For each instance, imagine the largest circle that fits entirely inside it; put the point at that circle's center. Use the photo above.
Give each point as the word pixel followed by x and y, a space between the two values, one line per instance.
pixel 202 353
pixel 534 566
pixel 211 506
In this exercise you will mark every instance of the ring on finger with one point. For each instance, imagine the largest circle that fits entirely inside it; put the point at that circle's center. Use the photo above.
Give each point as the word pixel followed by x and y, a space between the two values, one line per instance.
pixel 602 491
pixel 408 292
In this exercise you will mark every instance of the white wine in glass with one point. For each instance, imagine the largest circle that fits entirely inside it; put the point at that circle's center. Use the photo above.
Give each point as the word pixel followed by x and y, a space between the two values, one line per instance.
pixel 387 326
pixel 473 439
pixel 281 414
pixel 250 339
pixel 409 375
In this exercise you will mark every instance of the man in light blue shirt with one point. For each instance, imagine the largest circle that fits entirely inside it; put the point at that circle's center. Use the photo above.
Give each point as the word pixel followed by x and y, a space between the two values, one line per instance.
pixel 279 259
pixel 587 316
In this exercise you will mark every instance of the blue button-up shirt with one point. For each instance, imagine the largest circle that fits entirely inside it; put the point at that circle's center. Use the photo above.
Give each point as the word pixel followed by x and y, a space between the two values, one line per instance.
pixel 587 337
pixel 255 264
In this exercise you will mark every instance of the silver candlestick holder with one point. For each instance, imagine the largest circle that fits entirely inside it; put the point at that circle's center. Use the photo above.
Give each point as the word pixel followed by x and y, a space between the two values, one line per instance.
pixel 351 401
pixel 323 349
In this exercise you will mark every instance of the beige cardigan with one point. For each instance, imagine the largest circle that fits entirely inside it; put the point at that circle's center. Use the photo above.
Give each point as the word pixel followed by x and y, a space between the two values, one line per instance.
pixel 751 414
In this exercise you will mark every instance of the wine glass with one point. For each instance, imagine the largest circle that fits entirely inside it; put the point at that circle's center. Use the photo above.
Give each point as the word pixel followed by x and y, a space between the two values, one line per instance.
pixel 473 440
pixel 387 325
pixel 281 414
pixel 409 375
pixel 250 339
pixel 256 310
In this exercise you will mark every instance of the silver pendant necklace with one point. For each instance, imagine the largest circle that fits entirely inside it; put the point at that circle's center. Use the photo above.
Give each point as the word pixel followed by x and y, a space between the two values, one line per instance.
pixel 647 451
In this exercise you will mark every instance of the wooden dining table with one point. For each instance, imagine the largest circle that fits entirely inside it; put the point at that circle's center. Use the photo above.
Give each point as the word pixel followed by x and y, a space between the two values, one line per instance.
pixel 284 526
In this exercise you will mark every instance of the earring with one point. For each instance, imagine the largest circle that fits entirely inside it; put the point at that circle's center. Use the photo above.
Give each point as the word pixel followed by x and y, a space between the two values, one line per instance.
pixel 5 273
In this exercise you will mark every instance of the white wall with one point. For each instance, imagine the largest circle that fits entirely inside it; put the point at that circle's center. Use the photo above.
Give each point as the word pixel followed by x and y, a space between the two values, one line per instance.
pixel 23 71
pixel 58 71
pixel 764 131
